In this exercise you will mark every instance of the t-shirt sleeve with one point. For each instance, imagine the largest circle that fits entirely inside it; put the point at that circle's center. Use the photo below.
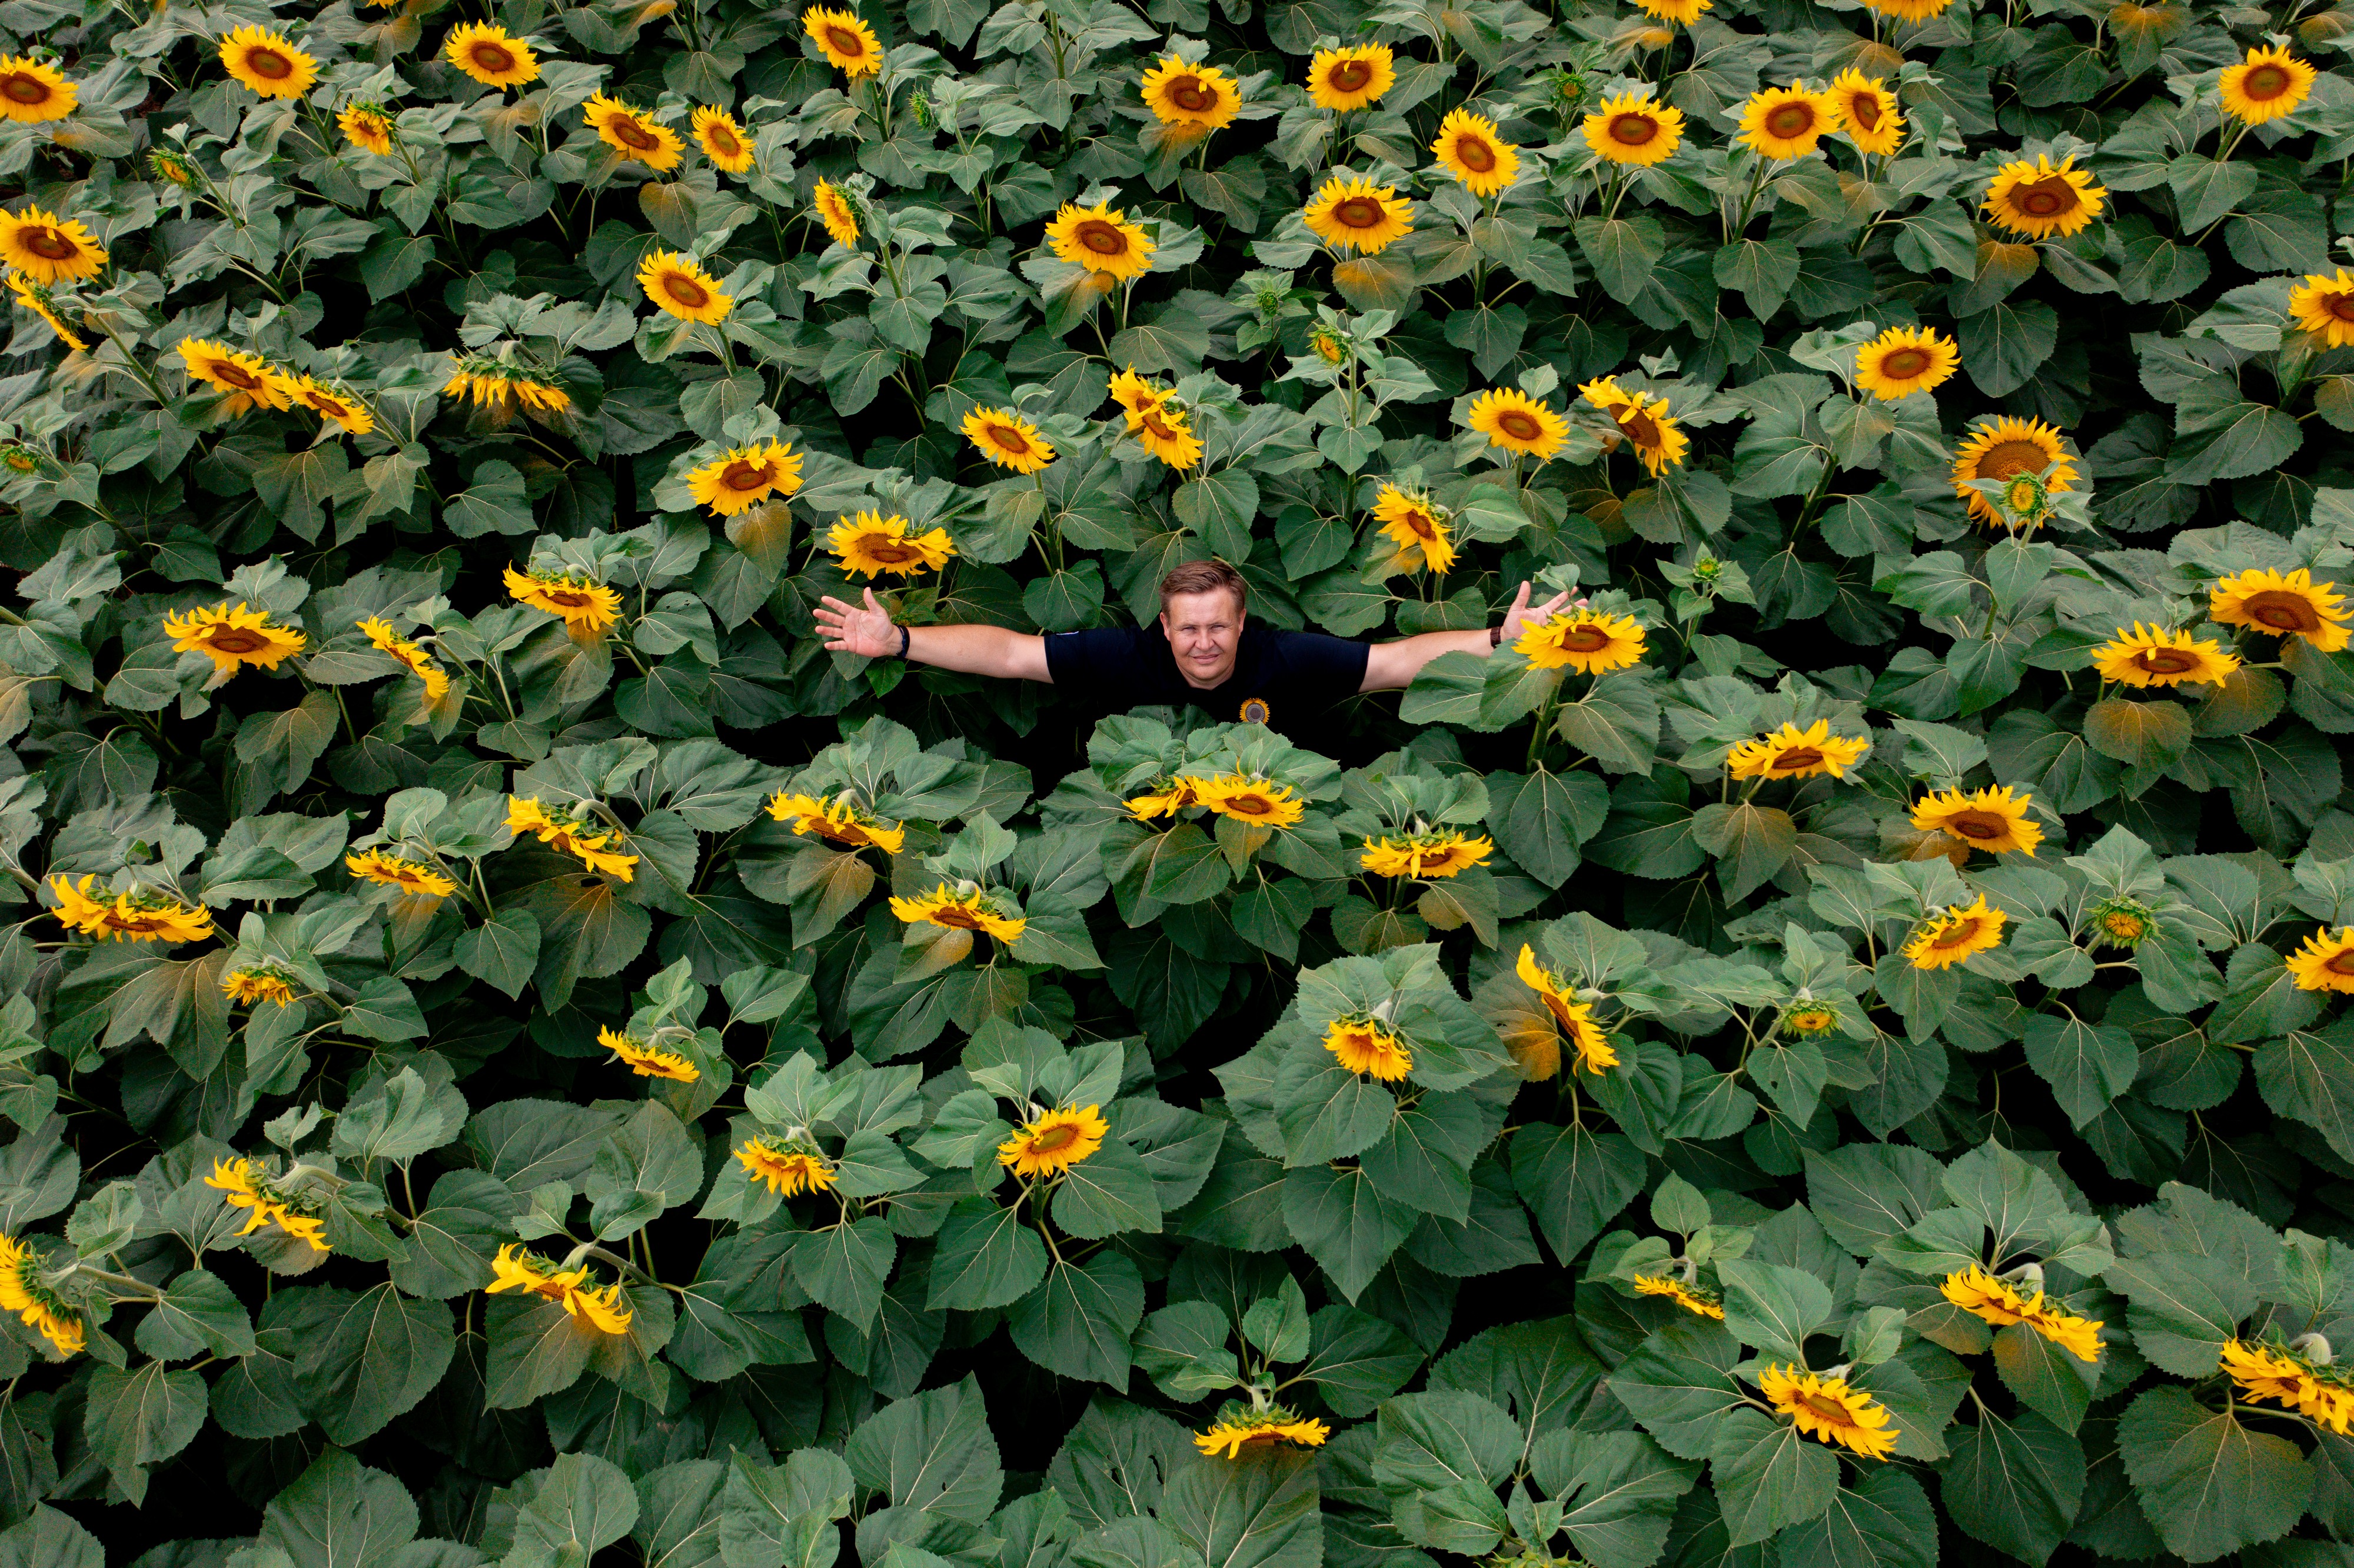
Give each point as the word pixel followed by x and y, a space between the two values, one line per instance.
pixel 1092 664
pixel 1326 669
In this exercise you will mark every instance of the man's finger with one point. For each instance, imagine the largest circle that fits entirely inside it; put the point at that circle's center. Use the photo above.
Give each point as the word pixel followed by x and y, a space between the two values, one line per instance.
pixel 836 604
pixel 875 604
pixel 1521 599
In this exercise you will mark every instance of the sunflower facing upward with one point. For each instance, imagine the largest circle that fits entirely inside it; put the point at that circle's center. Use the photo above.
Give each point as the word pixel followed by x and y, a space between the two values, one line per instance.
pixel 1904 360
pixel 722 140
pixel 587 608
pixel 32 93
pixel 1633 129
pixel 848 44
pixel 1201 98
pixel 870 544
pixel 648 1061
pixel 965 907
pixel 1347 79
pixel 413 877
pixel 1787 122
pixel 1793 753
pixel 841 820
pixel 2266 85
pixel 1417 525
pixel 1353 214
pixel 1828 1411
pixel 566 834
pixel 487 53
pixel 680 287
pixel 742 477
pixel 48 249
pixel 1991 820
pixel 1008 440
pixel 1424 857
pixel 2004 448
pixel 633 134
pixel 267 63
pixel 232 638
pixel 2282 605
pixel 1101 239
pixel 1468 148
pixel 2149 656
pixel 2042 200
pixel 137 916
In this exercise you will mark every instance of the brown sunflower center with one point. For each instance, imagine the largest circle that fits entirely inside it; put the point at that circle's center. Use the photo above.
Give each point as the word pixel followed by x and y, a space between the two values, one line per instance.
pixel 235 375
pixel 723 140
pixel 1979 825
pixel 2265 83
pixel 961 917
pixel 2341 963
pixel 1474 153
pixel 891 553
pixel 1811 1023
pixel 237 639
pixel 569 598
pixel 1054 1139
pixel 1249 805
pixel 23 87
pixel 1159 425
pixel 1359 212
pixel 1587 639
pixel 742 475
pixel 2053 197
pixel 270 63
pixel 1634 129
pixel 326 405
pixel 2164 660
pixel 1350 76
pixel 1009 439
pixel 1959 933
pixel 1103 238
pixel 686 291
pixel 1520 424
pixel 2130 926
pixel 843 41
pixel 2339 305
pixel 491 57
pixel 1864 109
pixel 1905 363
pixel 1789 122
pixel 2005 458
pixel 1191 94
pixel 1419 524
pixel 2283 611
pixel 1799 757
pixel 1824 1408
pixel 1640 427
pixel 50 244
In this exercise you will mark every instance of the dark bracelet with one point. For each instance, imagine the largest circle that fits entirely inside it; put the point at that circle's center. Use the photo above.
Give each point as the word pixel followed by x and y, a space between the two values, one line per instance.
pixel 1495 637
pixel 907 638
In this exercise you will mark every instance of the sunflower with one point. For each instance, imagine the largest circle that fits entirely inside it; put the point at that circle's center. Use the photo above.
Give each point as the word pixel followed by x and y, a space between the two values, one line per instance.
pixel 515 1269
pixel 2080 1337
pixel 1591 641
pixel 1353 214
pixel 1330 347
pixel 2266 85
pixel 2263 1373
pixel 35 299
pixel 250 381
pixel 244 1184
pixel 1682 1295
pixel 648 1061
pixel 485 52
pixel 541 396
pixel 1914 12
pixel 839 821
pixel 166 164
pixel 1945 940
pixel 1101 239
pixel 567 834
pixel 848 44
pixel 2120 923
pixel 2042 201
pixel 1008 440
pixel 963 908
pixel 1633 129
pixel 870 544
pixel 2325 306
pixel 1165 433
pixel 48 249
pixel 1053 1142
pixel 680 286
pixel 1366 1046
pixel 742 477
pixel 31 92
pixel 1810 1020
pixel 1868 111
pixel 1904 360
pixel 246 987
pixel 1468 148
pixel 1238 1427
pixel 1515 423
pixel 1168 798
pixel 1981 1294
pixel 140 917
pixel 232 638
pixel 788 1171
pixel 1990 820
pixel 2323 963
pixel 1351 77
pixel 331 405
pixel 367 127
pixel 632 135
pixel 1575 1018
pixel 1659 441
pixel 22 1292
pixel 2147 656
pixel 834 211
pixel 1258 801
pixel 2282 605
pixel 1200 97
pixel 413 877
pixel 587 608
pixel 1684 12
pixel 2005 448
pixel 408 655
pixel 1828 1410
pixel 267 63
pixel 1416 522
pixel 722 140
pixel 1787 122
pixel 1424 857
pixel 1793 753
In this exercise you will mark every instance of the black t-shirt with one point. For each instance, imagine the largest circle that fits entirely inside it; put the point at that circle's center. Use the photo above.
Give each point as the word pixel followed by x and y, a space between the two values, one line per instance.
pixel 1281 679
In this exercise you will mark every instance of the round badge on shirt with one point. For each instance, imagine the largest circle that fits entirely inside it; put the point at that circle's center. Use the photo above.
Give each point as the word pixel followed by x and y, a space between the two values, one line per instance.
pixel 1255 711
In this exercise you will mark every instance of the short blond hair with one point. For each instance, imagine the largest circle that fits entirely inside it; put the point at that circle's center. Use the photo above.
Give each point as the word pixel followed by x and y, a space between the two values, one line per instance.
pixel 1202 577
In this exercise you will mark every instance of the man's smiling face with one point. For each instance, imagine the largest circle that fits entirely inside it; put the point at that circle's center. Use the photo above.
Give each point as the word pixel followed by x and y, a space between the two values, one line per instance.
pixel 1205 629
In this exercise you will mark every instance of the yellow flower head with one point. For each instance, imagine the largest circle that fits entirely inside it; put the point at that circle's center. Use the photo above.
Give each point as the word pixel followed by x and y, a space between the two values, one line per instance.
pixel 1351 77
pixel 2147 656
pixel 1134 392
pixel 788 1171
pixel 1330 346
pixel 1164 430
pixel 1634 128
pixel 1054 1141
pixel 586 607
pixel 1169 798
pixel 1417 525
pixel 742 477
pixel 39 1308
pixel 1353 214
pixel 249 381
pixel 246 987
pixel 1868 111
pixel 1425 858
pixel 2003 449
pixel 648 1061
pixel 1515 423
pixel 408 656
pixel 245 1184
pixel 960 910
pixel 1239 1427
pixel 1258 801
pixel 681 288
pixel 1100 239
pixel 35 298
pixel 1008 440
pixel 1573 1018
pixel 2325 307
pixel 1685 1295
pixel 834 211
pixel 2266 85
pixel 1591 641
pixel 1977 1292
pixel 1201 98
pixel 1828 1410
pixel 1468 148
pixel 413 877
pixel 485 52
pixel 870 544
pixel 267 63
pixel 48 249
pixel 137 917
pixel 722 140
pixel 1809 1020
pixel 2290 605
pixel 838 820
pixel 2080 1337
pixel 232 638
pixel 2322 962
pixel 1787 122
pixel 337 409
pixel 1793 753
pixel 1642 420
pixel 1990 820
pixel 634 134
pixel 2041 200
pixel 848 44
pixel 515 1269
pixel 1905 360
pixel 1944 940
pixel 367 127
pixel 1682 12
pixel 567 834
pixel 1367 1046
pixel 31 92
pixel 2263 1373
pixel 1915 11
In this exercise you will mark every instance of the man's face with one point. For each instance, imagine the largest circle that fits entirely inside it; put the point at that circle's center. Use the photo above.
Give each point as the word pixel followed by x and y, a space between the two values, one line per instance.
pixel 1203 631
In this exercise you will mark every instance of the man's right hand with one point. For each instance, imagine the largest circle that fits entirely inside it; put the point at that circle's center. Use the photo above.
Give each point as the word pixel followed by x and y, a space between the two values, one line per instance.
pixel 849 629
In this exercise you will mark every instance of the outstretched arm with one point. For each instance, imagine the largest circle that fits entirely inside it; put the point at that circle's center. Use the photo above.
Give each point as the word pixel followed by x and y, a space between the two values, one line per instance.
pixel 1392 664
pixel 868 630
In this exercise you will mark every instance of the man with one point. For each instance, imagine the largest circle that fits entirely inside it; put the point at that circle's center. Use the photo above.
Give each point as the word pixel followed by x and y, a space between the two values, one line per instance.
pixel 1202 651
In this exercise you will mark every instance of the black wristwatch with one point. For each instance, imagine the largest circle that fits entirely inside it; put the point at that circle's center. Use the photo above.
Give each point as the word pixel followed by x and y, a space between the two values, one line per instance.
pixel 906 640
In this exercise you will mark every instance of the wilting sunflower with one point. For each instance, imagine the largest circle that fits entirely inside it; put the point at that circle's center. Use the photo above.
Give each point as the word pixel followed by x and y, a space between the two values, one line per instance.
pixel 1198 96
pixel 634 135
pixel 250 381
pixel 2148 656
pixel 788 1171
pixel 246 987
pixel 962 909
pixel 1166 433
pixel 2325 306
pixel 1258 801
pixel 48 249
pixel 337 408
pixel 1470 149
pixel 1945 940
pixel 413 877
pixel 586 607
pixel 1682 1295
pixel 36 1306
pixel 515 1269
pixel 1991 820
pixel 1787 122
pixel 1238 1427
pixel 485 52
pixel 267 63
pixel 1053 1142
pixel 565 833
pixel 722 140
pixel 1008 440
pixel 834 211
pixel 408 655
pixel 1101 239
pixel 648 1061
pixel 1904 360
pixel 1868 111
pixel 2005 448
pixel 1683 12
pixel 1168 798
pixel 2290 605
pixel 36 298
pixel 31 92
pixel 1353 214
pixel 367 127
pixel 1828 1410
pixel 133 916
pixel 1634 129
pixel 2266 85
pixel 870 543
pixel 2041 200
pixel 541 396
pixel 2323 963
pixel 1515 423
pixel 1367 1046
pixel 680 286
pixel 742 477
pixel 1810 1020
pixel 1424 857
pixel 232 638
pixel 839 821
pixel 1793 753
pixel 1573 1017
pixel 1416 522
pixel 1591 641
pixel 245 1184
pixel 848 44
pixel 1351 77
